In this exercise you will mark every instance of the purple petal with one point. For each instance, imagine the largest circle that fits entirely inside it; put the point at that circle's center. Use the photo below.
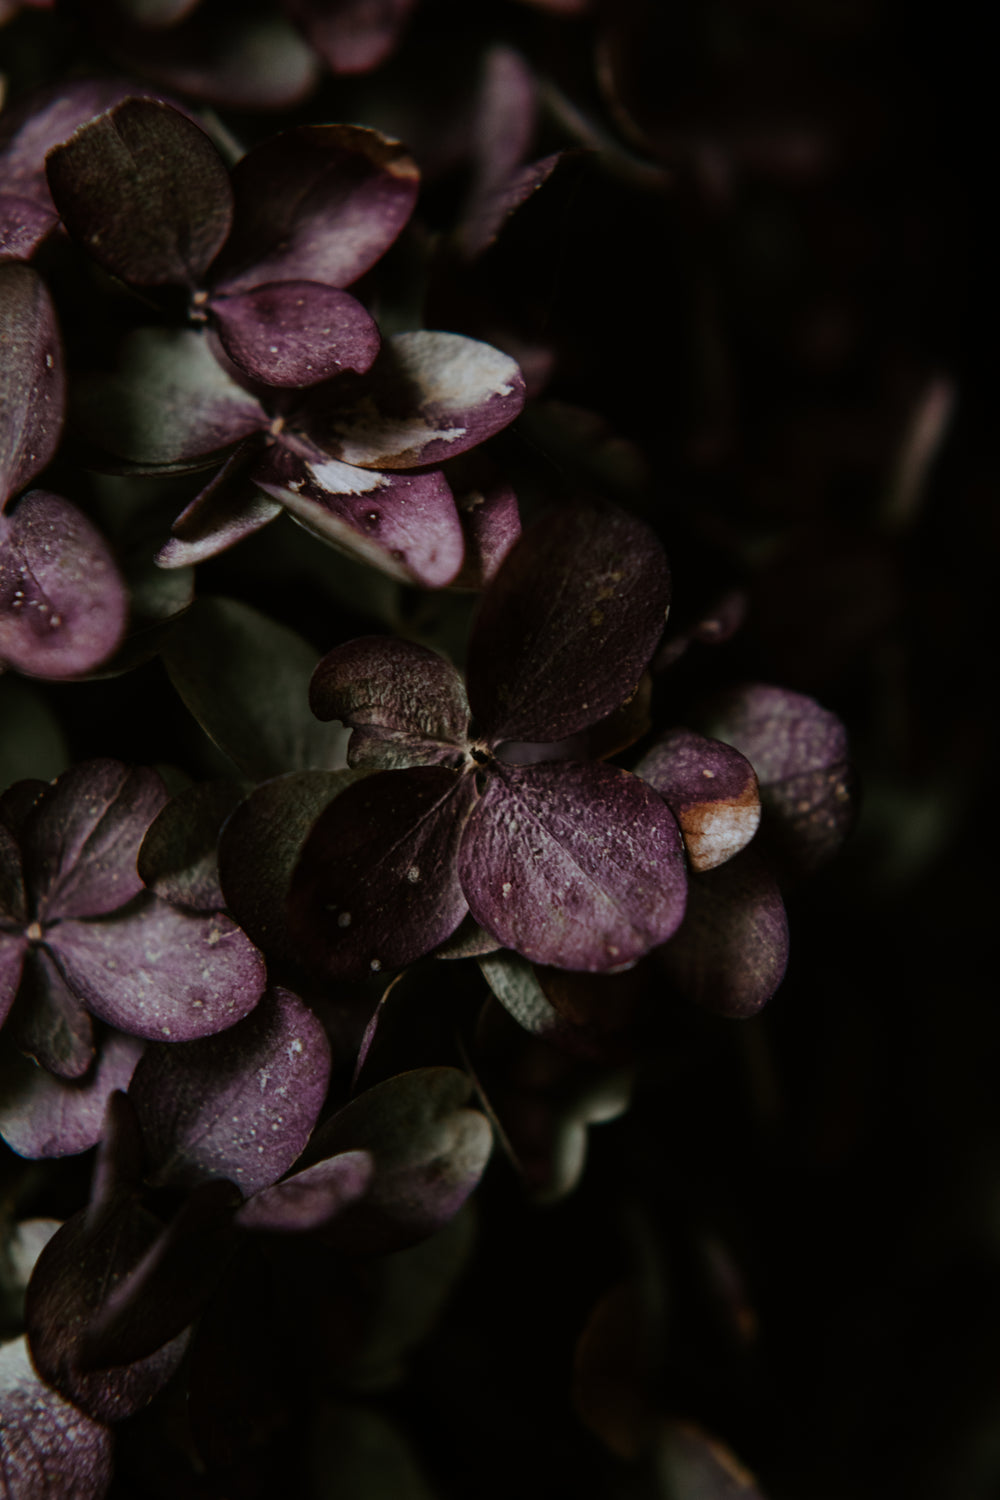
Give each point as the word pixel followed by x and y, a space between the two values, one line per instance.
pixel 317 203
pixel 13 948
pixel 799 752
pixel 405 704
pixel 145 192
pixel 42 1116
pixel 24 224
pixel 50 1025
pixel 405 525
pixel 239 1106
pixel 159 972
pixel 47 1446
pixel 32 381
pixel 169 401
pixel 377 885
pixel 490 520
pixel 178 858
pixel 579 866
pixel 83 835
pixel 351 36
pixel 429 1150
pixel 311 1198
pixel 732 947
pixel 13 900
pixel 490 209
pixel 711 790
pixel 568 625
pixel 295 333
pixel 229 508
pixel 250 690
pixel 428 397
pixel 63 603
pixel 87 1256
pixel 119 1163
pixel 260 847
pixel 170 1285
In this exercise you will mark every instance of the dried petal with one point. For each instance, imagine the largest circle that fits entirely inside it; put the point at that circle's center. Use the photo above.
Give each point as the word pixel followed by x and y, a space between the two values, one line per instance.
pixel 574 865
pixel 159 972
pixel 405 525
pixel 568 625
pixel 377 885
pixel 405 704
pixel 317 203
pixel 47 1446
pixel 711 790
pixel 145 192
pixel 83 835
pixel 239 1106
pixel 43 1116
pixel 311 1198
pixel 229 508
pixel 32 381
pixel 428 397
pixel 295 333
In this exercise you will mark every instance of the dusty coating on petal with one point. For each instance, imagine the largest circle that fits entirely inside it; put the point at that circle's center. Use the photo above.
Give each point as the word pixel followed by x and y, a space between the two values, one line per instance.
pixel 295 333
pixel 579 866
pixel 159 972
pixel 568 625
pixel 428 397
pixel 47 1445
pixel 712 791
pixel 239 1106
pixel 376 885
pixel 405 704
pixel 32 378
pixel 405 525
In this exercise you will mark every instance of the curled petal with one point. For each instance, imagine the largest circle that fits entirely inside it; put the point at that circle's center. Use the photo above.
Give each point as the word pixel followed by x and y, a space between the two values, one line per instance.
pixel 579 866
pixel 310 1198
pixel 405 704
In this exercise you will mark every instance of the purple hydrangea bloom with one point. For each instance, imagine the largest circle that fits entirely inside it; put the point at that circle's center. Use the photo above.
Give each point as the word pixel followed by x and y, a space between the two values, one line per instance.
pixel 481 803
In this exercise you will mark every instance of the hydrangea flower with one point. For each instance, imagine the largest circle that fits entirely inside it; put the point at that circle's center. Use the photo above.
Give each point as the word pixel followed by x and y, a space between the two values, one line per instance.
pixel 482 803
pixel 80 937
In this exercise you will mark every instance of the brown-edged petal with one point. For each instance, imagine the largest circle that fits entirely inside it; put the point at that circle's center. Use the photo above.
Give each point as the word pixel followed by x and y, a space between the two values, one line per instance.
pixel 376 885
pixel 260 847
pixel 711 790
pixel 405 525
pixel 428 397
pixel 405 704
pixel 32 380
pixel 317 203
pixel 83 834
pixel 145 192
pixel 168 402
pixel 580 866
pixel 351 36
pixel 568 625
pixel 732 947
pixel 159 972
pixel 295 333
pixel 43 1116
pixel 47 1446
pixel 239 1106
pixel 63 603
pixel 429 1148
